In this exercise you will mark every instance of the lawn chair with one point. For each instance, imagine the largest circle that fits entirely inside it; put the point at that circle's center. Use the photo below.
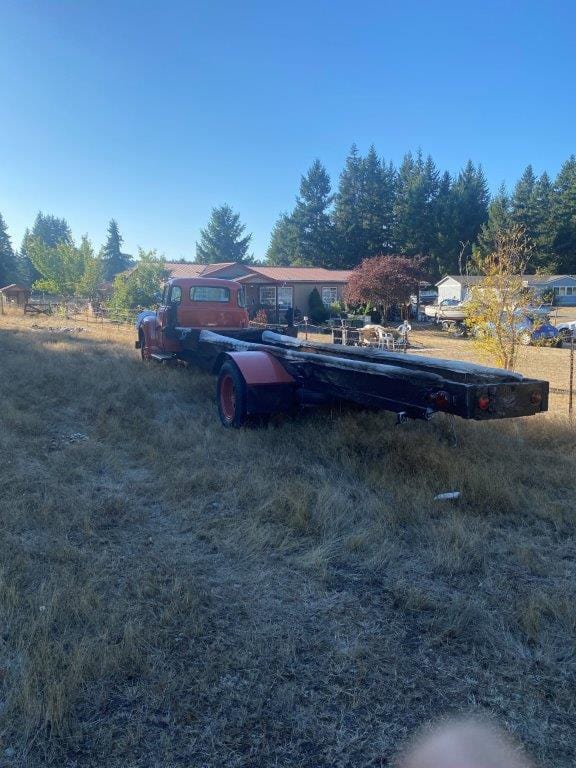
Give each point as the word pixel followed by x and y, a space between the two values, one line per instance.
pixel 385 340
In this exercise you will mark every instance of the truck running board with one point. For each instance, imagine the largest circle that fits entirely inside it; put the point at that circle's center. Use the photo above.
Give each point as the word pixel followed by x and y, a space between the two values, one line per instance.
pixel 162 356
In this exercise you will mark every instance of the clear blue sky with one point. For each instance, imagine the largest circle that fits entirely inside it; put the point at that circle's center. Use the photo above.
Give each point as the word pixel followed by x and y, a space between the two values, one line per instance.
pixel 154 112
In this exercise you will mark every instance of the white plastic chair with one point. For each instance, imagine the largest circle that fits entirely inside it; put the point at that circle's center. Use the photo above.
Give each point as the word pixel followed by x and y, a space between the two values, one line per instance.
pixel 385 340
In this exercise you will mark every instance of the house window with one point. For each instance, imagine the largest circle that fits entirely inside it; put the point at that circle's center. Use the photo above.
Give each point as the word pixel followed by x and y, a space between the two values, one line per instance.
pixel 285 297
pixel 268 295
pixel 569 291
pixel 329 295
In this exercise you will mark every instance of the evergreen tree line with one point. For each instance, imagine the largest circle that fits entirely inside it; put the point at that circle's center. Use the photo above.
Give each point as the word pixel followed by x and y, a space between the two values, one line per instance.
pixel 415 210
pixel 50 260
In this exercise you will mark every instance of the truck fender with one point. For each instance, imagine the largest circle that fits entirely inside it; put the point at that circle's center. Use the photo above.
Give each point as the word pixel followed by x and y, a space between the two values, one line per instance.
pixel 260 368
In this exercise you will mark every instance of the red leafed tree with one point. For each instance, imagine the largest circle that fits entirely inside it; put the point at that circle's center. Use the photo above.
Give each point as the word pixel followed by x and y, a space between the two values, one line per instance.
pixel 383 281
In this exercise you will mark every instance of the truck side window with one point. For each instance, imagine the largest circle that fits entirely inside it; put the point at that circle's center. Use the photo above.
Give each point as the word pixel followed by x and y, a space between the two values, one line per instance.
pixel 176 295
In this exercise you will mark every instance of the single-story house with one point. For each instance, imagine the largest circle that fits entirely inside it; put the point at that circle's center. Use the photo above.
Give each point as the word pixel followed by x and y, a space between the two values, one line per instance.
pixel 277 288
pixel 562 287
pixel 16 294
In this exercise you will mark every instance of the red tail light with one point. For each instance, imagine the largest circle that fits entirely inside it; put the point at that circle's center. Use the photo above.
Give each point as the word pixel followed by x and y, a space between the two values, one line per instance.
pixel 483 402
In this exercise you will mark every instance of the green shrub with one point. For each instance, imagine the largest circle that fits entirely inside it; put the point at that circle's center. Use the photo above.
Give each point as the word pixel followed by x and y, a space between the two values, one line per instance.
pixel 316 308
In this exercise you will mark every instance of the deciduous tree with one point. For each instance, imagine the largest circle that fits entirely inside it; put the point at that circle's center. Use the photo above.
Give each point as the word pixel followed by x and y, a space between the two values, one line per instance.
pixel 65 269
pixel 140 287
pixel 383 281
pixel 497 307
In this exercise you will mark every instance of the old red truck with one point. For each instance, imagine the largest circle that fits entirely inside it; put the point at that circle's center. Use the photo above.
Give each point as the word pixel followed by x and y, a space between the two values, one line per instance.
pixel 204 322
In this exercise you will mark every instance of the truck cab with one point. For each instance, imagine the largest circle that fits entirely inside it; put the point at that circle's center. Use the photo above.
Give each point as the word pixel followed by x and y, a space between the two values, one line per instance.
pixel 188 306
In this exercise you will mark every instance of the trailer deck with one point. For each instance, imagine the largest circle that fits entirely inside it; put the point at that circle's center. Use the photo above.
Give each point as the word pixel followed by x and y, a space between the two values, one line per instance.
pixel 409 385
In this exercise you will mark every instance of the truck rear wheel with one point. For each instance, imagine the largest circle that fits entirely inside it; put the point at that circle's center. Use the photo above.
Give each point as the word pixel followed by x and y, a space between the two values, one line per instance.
pixel 232 397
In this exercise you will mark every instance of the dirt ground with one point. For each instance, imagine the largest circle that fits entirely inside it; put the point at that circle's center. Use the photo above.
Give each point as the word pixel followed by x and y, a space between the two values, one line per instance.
pixel 177 594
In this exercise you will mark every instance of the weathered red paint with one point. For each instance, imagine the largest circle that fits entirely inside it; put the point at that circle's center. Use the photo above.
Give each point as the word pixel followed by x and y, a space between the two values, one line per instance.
pixel 260 368
pixel 159 333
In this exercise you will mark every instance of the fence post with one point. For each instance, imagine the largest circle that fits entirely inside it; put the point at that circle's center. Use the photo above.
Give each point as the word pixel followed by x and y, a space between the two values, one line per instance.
pixel 571 385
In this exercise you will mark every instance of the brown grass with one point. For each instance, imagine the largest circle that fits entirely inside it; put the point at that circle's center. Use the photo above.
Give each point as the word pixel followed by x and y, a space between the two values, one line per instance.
pixel 172 593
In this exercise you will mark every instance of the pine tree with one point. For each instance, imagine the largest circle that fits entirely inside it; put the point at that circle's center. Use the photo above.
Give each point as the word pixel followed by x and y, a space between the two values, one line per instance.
pixel 564 215
pixel 114 261
pixel 8 267
pixel 443 259
pixel 415 206
pixel 223 239
pixel 376 205
pixel 543 256
pixel 347 215
pixel 523 203
pixel 312 219
pixel 283 248
pixel 499 221
pixel 51 230
pixel 461 213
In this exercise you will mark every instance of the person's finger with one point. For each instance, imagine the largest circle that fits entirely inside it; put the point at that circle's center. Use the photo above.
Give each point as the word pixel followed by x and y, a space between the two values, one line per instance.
pixel 463 744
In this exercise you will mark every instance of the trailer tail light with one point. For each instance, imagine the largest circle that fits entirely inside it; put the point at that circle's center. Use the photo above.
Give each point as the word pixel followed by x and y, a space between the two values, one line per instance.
pixel 536 397
pixel 483 402
pixel 440 399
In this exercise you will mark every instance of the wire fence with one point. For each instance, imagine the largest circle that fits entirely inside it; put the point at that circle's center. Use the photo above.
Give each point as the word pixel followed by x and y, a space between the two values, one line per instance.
pixel 81 310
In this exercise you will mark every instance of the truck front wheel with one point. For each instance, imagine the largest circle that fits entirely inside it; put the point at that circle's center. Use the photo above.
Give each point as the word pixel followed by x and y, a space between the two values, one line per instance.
pixel 144 353
pixel 232 397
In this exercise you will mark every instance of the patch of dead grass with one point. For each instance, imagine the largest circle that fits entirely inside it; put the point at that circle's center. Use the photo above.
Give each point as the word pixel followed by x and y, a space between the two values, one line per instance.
pixel 173 593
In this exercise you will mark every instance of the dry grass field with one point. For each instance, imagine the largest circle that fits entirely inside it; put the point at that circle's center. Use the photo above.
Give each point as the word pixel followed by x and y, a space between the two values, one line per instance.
pixel 176 594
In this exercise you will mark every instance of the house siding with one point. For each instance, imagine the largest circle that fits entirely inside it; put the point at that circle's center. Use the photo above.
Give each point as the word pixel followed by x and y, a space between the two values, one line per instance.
pixel 300 292
pixel 451 289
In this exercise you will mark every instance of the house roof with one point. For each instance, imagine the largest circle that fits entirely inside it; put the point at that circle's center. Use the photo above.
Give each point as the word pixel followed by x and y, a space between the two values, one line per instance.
pixel 186 269
pixel 271 274
pixel 300 274
pixel 529 279
pixel 462 279
pixel 549 279
pixel 15 287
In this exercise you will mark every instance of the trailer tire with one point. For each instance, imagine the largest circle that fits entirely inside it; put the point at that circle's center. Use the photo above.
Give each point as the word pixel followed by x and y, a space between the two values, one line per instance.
pixel 232 397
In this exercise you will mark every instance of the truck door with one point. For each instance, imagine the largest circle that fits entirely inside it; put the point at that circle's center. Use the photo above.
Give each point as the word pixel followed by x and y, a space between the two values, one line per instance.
pixel 167 317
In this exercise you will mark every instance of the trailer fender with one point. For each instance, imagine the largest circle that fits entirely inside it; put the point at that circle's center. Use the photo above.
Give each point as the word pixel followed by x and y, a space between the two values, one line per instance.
pixel 260 368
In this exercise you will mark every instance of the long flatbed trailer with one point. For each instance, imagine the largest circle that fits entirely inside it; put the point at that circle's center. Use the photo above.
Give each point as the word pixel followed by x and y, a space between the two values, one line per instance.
pixel 279 371
pixel 203 321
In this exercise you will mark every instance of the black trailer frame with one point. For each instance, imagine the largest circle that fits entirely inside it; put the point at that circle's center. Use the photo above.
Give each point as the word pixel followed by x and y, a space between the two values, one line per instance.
pixel 410 385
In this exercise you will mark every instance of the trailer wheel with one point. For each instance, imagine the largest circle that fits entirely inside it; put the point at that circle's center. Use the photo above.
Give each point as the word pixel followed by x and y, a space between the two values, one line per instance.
pixel 232 396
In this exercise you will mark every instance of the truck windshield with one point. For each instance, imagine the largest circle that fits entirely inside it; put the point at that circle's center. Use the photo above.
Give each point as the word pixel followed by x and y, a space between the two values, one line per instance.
pixel 241 298
pixel 210 293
